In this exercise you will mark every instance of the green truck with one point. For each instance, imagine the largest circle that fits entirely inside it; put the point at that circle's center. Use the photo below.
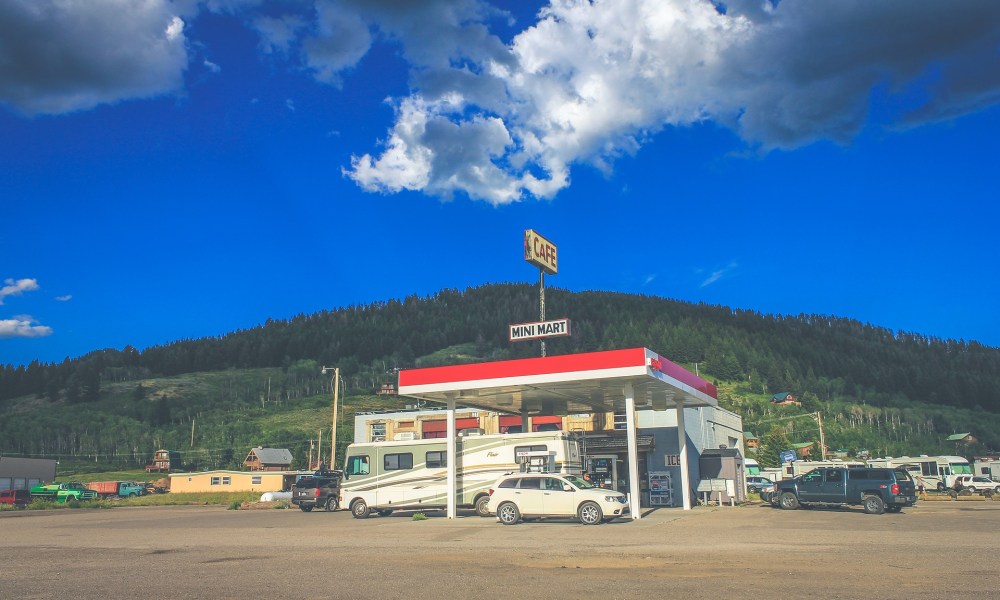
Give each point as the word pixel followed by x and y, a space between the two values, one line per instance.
pixel 63 492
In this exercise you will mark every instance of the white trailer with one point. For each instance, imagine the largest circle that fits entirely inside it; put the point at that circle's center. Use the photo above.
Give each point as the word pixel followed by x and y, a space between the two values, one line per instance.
pixel 413 475
pixel 937 472
pixel 987 466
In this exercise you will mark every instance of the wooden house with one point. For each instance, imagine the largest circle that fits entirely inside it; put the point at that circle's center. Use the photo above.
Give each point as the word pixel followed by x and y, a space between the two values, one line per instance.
pixel 164 461
pixel 785 399
pixel 268 459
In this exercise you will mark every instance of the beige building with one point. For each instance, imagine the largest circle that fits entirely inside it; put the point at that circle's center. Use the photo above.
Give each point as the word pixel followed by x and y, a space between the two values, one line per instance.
pixel 231 481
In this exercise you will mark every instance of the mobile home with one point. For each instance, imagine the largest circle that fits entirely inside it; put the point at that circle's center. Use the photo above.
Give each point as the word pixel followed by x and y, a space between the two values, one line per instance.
pixel 937 472
pixel 413 474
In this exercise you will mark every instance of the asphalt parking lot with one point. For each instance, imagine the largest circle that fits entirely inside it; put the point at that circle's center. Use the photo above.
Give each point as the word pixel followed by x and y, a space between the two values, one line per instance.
pixel 933 549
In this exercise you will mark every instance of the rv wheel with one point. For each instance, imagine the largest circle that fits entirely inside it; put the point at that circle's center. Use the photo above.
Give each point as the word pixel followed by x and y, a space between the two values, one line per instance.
pixel 360 509
pixel 481 506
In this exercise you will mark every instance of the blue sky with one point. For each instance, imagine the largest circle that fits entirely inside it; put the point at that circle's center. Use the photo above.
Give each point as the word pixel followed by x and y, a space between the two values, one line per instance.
pixel 174 170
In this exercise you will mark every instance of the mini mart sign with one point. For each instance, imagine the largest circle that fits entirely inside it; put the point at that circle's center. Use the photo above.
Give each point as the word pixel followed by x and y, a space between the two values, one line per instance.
pixel 539 329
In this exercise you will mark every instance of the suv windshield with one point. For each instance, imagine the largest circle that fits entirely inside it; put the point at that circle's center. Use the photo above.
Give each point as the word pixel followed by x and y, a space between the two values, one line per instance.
pixel 579 482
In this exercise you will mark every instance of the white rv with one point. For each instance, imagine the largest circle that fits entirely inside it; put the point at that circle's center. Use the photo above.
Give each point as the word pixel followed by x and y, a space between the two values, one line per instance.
pixel 987 466
pixel 937 472
pixel 413 474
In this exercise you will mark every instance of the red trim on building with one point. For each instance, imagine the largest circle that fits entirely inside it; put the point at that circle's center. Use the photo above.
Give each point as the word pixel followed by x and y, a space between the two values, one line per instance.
pixel 672 369
pixel 441 425
pixel 567 363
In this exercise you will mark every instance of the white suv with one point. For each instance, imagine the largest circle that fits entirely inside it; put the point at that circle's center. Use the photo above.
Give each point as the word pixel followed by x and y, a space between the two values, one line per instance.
pixel 978 483
pixel 540 495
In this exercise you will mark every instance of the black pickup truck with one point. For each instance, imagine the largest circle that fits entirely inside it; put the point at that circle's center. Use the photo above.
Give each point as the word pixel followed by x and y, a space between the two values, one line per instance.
pixel 321 489
pixel 876 490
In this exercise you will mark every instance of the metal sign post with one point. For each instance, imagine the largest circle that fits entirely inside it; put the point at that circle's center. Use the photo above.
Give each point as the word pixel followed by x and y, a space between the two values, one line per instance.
pixel 541 253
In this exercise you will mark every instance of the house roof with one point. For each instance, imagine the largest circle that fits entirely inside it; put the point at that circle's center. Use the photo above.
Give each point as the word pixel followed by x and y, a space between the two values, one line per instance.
pixel 780 396
pixel 957 437
pixel 273 456
pixel 749 436
pixel 802 445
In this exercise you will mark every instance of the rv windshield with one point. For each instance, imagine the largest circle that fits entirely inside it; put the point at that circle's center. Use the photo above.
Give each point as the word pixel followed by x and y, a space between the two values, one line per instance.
pixel 579 482
pixel 961 469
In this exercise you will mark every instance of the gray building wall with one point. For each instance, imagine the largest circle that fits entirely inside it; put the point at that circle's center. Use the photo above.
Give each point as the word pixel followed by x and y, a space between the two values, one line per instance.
pixel 23 473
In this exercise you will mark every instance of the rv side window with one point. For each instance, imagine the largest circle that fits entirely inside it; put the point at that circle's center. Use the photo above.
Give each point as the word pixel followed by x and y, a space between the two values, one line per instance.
pixel 536 448
pixel 357 465
pixel 396 462
pixel 436 460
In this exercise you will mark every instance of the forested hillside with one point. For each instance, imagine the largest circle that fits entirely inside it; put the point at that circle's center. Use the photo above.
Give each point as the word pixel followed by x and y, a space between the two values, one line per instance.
pixel 876 388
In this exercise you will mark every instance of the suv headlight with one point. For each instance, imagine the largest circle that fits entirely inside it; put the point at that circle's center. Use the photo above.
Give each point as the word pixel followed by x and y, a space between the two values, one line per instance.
pixel 616 498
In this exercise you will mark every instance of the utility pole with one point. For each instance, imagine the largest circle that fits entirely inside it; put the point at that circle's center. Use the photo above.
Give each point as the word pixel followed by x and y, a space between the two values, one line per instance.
pixel 333 420
pixel 192 433
pixel 815 416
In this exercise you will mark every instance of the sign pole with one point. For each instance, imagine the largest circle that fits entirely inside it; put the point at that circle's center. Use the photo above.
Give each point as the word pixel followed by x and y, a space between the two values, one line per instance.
pixel 541 302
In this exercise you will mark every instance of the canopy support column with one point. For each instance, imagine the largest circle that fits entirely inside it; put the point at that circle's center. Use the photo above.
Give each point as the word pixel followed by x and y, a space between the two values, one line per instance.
pixel 685 489
pixel 633 453
pixel 452 459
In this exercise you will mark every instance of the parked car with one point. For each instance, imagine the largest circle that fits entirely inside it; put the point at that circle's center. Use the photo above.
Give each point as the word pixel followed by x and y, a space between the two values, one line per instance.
pixel 978 483
pixel 757 485
pixel 15 497
pixel 321 489
pixel 877 490
pixel 545 495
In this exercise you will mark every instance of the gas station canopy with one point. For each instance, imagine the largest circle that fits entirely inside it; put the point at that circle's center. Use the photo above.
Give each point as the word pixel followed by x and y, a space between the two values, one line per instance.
pixel 561 385
pixel 609 381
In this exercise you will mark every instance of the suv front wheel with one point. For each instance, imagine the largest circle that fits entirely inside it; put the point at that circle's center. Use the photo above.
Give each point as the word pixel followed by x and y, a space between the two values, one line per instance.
pixel 508 513
pixel 590 513
pixel 788 501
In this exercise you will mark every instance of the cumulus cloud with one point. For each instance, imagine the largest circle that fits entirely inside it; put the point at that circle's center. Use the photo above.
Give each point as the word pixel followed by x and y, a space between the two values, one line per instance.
pixel 60 56
pixel 16 287
pixel 22 326
pixel 590 82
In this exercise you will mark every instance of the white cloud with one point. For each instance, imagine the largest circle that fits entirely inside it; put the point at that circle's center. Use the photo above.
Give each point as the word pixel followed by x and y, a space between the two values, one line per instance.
pixel 17 287
pixel 211 66
pixel 65 298
pixel 592 81
pixel 718 274
pixel 341 39
pixel 22 326
pixel 60 56
pixel 278 33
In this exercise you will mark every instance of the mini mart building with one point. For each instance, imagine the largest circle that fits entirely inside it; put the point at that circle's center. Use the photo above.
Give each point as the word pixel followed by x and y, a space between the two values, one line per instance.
pixel 634 412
